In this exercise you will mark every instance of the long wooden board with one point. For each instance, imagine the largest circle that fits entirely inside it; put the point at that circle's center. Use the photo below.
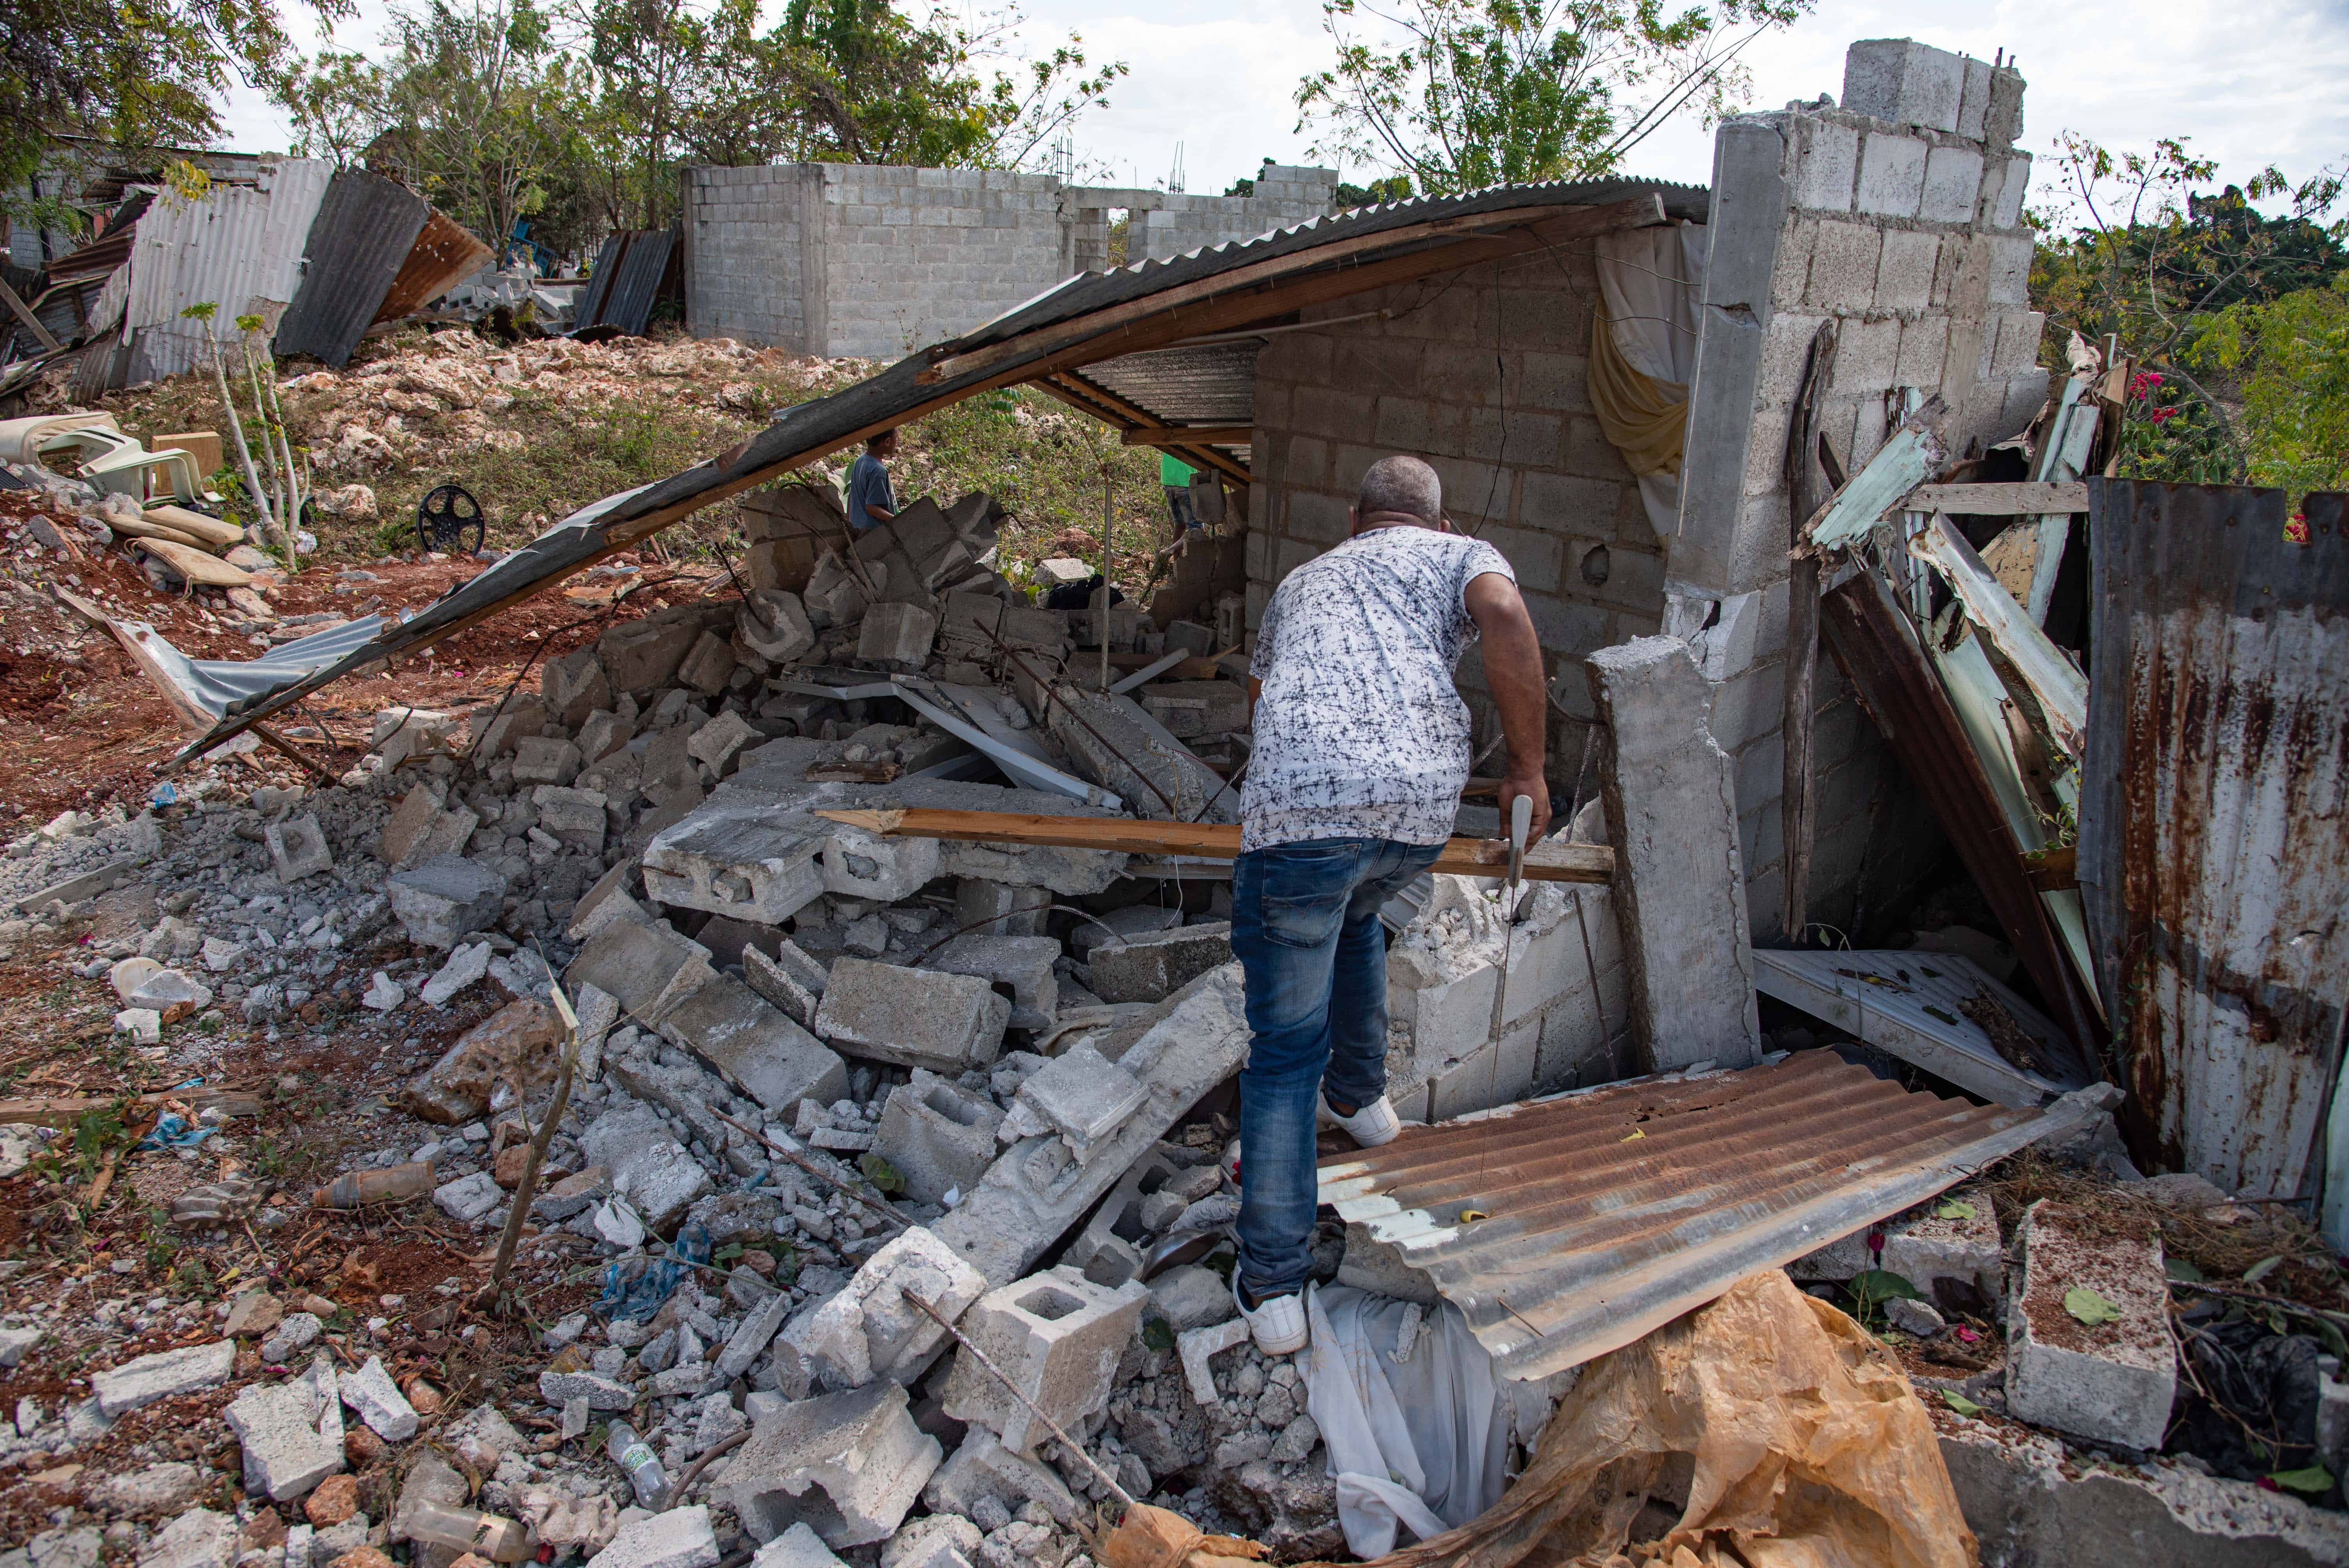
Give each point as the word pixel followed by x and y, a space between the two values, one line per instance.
pixel 1551 860
pixel 60 1109
pixel 2017 499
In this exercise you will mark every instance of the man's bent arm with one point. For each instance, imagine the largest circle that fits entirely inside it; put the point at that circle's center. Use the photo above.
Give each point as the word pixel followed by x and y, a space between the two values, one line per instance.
pixel 1513 671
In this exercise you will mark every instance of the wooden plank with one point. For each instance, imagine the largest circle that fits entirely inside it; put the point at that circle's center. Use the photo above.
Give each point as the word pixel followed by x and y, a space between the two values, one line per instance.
pixel 60 1110
pixel 2021 497
pixel 1185 435
pixel 1898 466
pixel 945 365
pixel 2055 869
pixel 24 313
pixel 1551 860
pixel 1798 714
pixel 1091 399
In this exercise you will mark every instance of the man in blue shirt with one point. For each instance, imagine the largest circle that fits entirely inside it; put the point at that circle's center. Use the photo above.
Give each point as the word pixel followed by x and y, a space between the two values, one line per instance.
pixel 870 501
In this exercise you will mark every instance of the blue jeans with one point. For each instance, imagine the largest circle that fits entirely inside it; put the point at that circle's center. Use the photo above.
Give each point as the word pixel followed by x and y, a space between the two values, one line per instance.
pixel 1305 927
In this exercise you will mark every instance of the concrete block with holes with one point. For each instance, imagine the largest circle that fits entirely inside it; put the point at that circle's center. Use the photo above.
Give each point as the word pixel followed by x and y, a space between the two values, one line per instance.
pixel 1056 1335
pixel 848 1466
pixel 939 1136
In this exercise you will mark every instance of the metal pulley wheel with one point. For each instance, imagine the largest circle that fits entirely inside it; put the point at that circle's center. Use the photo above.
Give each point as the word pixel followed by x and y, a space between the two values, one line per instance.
pixel 446 515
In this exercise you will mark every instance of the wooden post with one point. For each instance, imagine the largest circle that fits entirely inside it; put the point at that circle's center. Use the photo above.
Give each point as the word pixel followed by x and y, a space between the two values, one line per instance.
pixel 526 1189
pixel 1101 626
pixel 1797 805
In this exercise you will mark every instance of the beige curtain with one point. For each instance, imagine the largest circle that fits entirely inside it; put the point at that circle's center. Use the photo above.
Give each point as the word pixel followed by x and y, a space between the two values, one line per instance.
pixel 1643 354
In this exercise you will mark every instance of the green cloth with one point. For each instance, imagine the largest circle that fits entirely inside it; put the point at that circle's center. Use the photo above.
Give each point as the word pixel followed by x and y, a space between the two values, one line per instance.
pixel 1173 472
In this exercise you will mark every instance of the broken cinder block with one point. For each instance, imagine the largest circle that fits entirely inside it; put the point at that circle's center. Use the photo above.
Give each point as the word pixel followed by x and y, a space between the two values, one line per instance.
pixel 939 1136
pixel 2110 1380
pixel 740 857
pixel 913 1017
pixel 446 900
pixel 1057 1336
pixel 1151 966
pixel 869 1328
pixel 648 969
pixel 767 1056
pixel 848 1466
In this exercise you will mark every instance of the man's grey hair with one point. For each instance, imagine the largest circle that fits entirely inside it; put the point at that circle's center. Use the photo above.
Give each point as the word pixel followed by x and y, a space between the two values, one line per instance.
pixel 1401 484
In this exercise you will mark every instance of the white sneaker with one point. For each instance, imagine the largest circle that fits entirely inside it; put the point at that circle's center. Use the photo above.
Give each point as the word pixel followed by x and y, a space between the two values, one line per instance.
pixel 1278 1324
pixel 1374 1124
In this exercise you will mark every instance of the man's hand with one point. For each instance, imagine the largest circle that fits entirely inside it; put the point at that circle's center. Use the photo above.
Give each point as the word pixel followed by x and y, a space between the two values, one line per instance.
pixel 1518 782
pixel 1513 672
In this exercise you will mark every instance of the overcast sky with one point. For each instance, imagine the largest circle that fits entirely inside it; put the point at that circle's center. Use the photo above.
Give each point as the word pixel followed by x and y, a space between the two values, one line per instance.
pixel 2252 82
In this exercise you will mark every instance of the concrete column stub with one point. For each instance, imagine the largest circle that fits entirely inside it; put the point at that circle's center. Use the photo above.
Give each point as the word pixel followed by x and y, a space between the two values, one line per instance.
pixel 1670 797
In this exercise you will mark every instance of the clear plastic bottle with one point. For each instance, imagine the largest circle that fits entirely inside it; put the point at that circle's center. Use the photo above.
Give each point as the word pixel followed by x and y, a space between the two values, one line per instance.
pixel 634 1455
pixel 486 1535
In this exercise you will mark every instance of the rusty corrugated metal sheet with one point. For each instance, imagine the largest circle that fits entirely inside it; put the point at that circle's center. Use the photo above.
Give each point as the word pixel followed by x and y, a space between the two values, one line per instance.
pixel 364 231
pixel 1878 648
pixel 1612 1210
pixel 2214 820
pixel 445 254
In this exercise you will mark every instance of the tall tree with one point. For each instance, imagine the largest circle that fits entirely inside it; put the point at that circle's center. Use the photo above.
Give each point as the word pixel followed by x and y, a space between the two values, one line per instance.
pixel 1460 94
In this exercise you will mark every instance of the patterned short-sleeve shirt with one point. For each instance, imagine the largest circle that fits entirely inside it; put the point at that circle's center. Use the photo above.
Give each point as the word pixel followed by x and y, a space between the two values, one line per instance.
pixel 1359 732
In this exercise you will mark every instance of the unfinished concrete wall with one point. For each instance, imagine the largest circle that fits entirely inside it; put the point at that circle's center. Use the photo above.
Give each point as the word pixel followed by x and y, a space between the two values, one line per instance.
pixel 1482 372
pixel 1899 216
pixel 1162 223
pixel 877 260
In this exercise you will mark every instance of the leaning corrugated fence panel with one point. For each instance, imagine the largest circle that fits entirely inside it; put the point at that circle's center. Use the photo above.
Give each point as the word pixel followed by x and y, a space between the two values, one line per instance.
pixel 361 236
pixel 2213 855
pixel 1608 1212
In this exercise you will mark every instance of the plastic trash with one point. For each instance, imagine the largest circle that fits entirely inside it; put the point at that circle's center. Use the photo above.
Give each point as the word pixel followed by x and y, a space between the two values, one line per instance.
pixel 634 1455
pixel 635 1287
pixel 469 1530
pixel 1417 1426
pixel 357 1189
pixel 172 1130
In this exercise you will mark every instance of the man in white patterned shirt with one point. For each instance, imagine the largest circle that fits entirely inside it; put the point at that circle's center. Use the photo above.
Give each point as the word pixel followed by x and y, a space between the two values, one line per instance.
pixel 1362 751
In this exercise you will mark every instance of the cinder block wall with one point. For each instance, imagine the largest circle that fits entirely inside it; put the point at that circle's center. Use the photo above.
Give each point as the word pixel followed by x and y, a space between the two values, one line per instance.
pixel 914 255
pixel 877 260
pixel 746 238
pixel 1899 216
pixel 1160 224
pixel 1482 372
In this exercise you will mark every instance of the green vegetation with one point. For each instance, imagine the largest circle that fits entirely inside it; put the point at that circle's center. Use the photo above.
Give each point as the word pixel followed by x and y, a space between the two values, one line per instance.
pixel 551 450
pixel 1458 94
pixel 2235 324
pixel 576 120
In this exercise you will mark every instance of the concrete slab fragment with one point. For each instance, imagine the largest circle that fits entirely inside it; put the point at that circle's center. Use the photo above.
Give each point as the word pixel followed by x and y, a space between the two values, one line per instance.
pixel 2110 1380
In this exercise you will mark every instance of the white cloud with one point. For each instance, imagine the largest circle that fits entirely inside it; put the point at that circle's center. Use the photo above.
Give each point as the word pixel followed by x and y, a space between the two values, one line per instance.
pixel 2253 82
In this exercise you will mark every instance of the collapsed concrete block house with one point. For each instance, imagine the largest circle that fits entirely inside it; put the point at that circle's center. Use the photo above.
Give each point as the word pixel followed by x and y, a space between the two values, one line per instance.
pixel 1603 373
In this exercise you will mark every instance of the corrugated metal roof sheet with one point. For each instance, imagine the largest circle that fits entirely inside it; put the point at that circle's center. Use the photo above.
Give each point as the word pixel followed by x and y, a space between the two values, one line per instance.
pixel 235 246
pixel 2214 820
pixel 445 254
pixel 1211 384
pixel 1612 1210
pixel 364 230
pixel 809 430
pixel 626 281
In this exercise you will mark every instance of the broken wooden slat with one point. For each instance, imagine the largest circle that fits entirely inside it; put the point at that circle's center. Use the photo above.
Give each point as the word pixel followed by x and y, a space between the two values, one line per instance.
pixel 1908 456
pixel 2021 497
pixel 2057 683
pixel 2055 869
pixel 1550 861
pixel 60 1110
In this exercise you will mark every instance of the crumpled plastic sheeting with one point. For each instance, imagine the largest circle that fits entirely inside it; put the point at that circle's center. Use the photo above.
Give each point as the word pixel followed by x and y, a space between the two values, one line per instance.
pixel 1810 1450
pixel 635 1287
pixel 1417 1427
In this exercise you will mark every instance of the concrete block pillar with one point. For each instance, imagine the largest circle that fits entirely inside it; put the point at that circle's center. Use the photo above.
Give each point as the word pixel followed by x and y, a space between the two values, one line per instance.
pixel 1670 796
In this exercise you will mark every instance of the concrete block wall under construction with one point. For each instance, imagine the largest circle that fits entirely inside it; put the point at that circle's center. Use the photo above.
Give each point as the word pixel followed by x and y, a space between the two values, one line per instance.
pixel 876 260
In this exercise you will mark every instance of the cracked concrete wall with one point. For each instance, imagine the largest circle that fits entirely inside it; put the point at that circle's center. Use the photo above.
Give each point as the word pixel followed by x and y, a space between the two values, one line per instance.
pixel 1897 216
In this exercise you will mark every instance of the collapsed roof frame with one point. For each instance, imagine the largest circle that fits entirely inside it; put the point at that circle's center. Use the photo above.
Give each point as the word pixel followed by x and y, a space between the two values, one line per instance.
pixel 1046 342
